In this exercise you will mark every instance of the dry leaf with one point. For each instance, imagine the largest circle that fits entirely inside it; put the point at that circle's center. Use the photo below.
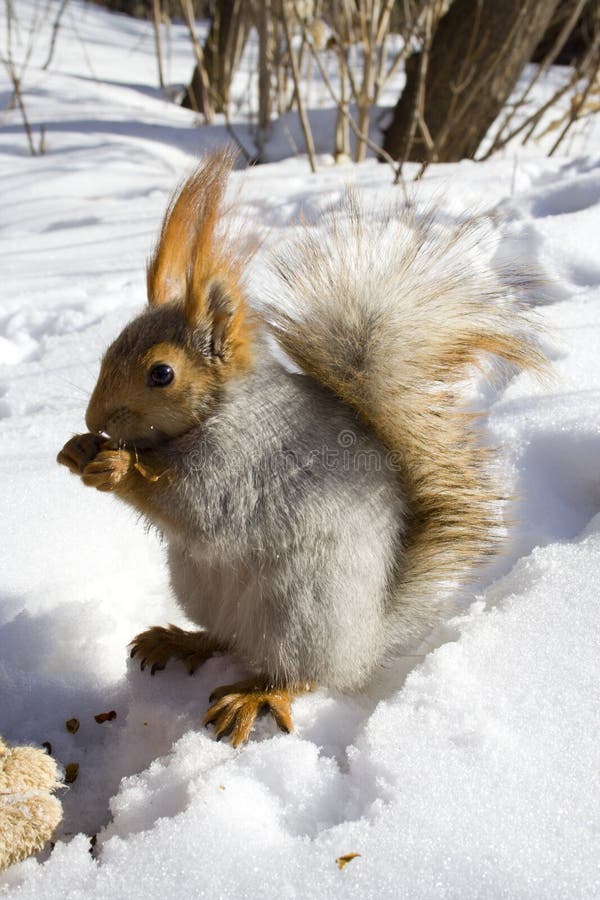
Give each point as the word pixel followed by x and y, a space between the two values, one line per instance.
pixel 345 859
pixel 105 717
pixel 71 772
pixel 72 726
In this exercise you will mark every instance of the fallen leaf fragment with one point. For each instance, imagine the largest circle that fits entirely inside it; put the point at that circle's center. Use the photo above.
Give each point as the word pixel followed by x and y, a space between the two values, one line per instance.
pixel 105 717
pixel 71 772
pixel 345 859
pixel 72 725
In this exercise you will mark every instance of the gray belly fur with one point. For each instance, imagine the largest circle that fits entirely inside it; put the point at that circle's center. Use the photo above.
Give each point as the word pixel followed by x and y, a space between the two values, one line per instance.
pixel 292 534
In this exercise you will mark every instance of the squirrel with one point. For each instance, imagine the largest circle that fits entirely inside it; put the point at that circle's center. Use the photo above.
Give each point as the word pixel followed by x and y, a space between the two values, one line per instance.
pixel 313 519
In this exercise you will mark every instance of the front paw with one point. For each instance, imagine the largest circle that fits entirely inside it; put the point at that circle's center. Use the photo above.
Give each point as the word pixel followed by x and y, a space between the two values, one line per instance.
pixel 158 645
pixel 109 469
pixel 80 451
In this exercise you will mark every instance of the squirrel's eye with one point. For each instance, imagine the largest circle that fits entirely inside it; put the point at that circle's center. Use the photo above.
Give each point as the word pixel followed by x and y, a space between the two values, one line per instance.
pixel 160 375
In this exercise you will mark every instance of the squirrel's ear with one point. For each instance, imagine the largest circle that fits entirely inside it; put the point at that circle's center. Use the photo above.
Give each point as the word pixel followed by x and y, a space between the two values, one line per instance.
pixel 217 306
pixel 188 229
pixel 220 306
pixel 167 268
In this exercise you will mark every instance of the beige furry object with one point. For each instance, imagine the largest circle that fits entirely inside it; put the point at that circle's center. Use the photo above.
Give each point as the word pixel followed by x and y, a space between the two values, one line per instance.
pixel 28 811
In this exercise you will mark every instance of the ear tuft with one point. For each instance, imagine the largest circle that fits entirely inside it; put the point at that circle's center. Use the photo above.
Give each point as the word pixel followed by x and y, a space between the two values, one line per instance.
pixel 188 228
pixel 199 264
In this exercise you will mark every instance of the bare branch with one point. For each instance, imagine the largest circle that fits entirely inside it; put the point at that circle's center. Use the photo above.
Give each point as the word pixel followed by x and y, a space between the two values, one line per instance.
pixel 55 30
pixel 205 99
pixel 500 139
pixel 308 138
pixel 419 106
pixel 156 20
pixel 13 73
pixel 578 102
pixel 343 109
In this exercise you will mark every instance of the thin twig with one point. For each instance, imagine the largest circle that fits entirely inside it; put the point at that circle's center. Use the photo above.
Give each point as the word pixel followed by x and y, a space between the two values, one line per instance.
pixel 308 138
pixel 499 139
pixel 576 106
pixel 403 53
pixel 370 143
pixel 55 30
pixel 188 14
pixel 156 20
pixel 250 159
pixel 419 104
pixel 367 91
pixel 531 122
pixel 15 76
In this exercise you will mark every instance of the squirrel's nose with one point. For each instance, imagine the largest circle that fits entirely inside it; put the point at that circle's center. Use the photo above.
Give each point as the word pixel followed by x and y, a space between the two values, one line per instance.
pixel 94 422
pixel 96 415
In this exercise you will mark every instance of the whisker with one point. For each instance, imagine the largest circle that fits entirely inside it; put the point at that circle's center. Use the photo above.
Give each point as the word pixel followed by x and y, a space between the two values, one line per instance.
pixel 72 384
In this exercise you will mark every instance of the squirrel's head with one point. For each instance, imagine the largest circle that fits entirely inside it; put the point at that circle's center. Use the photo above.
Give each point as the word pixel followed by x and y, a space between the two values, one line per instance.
pixel 166 370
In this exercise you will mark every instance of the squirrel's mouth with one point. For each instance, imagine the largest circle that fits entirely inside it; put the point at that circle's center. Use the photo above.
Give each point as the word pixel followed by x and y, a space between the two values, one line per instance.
pixel 143 441
pixel 124 428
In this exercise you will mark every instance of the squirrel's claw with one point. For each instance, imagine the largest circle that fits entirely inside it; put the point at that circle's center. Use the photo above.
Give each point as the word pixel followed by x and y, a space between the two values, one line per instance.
pixel 79 451
pixel 235 707
pixel 158 645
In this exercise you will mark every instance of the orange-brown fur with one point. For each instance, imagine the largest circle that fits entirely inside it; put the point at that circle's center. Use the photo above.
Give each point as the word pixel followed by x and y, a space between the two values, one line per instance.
pixel 172 411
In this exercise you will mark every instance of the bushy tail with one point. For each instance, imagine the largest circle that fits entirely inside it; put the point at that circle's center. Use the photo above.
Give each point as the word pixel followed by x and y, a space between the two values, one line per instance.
pixel 390 314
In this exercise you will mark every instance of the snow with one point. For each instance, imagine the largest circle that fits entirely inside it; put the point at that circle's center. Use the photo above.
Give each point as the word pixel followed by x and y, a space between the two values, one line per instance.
pixel 470 769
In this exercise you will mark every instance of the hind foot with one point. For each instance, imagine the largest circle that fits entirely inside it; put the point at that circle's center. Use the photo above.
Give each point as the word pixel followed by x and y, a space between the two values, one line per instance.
pixel 235 707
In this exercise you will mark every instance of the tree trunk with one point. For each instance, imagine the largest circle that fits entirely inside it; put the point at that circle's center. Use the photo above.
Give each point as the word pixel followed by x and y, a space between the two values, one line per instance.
pixel 578 41
pixel 265 26
pixel 222 52
pixel 476 56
